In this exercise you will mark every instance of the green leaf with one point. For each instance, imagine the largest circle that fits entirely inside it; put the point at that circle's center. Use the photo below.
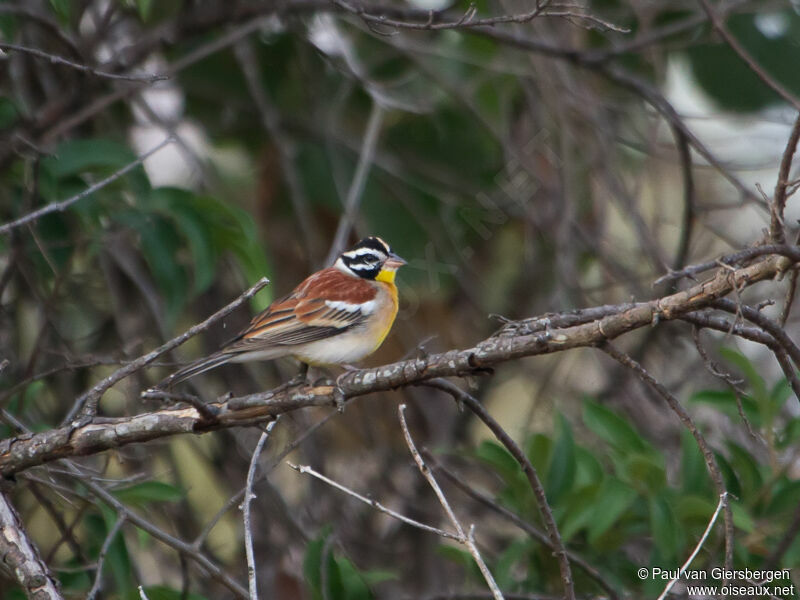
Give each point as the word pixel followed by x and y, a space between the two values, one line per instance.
pixel 695 509
pixel 729 80
pixel 117 558
pixel 664 527
pixel 61 8
pixel 729 475
pixel 746 469
pixel 8 113
pixel 503 568
pixel 74 157
pixel 497 456
pixel 790 433
pixel 561 474
pixel 577 511
pixel 517 493
pixel 748 369
pixel 694 472
pixel 778 396
pixel 312 563
pixel 612 501
pixel 785 497
pixel 539 450
pixel 725 401
pixel 197 228
pixel 588 469
pixel 353 583
pixel 162 592
pixel 645 471
pixel 612 428
pixel 144 7
pixel 150 491
pixel 742 518
pixel 159 246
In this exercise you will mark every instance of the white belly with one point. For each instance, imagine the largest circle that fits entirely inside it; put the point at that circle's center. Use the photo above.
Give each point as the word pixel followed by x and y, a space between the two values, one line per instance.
pixel 343 348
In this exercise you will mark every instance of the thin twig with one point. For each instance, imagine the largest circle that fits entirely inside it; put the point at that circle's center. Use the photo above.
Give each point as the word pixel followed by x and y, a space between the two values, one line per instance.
pixel 271 122
pixel 62 205
pixel 783 545
pixel 18 553
pixel 733 383
pixel 737 47
pixel 98 577
pixel 146 525
pixel 248 497
pixel 723 501
pixel 87 402
pixel 468 20
pixel 467 539
pixel 533 531
pixel 528 469
pixel 60 60
pixel 779 200
pixel 306 469
pixel 708 454
pixel 764 322
pixel 355 192
pixel 791 252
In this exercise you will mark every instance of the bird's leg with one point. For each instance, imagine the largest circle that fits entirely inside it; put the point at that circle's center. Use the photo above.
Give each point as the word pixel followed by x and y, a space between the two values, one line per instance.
pixel 301 377
pixel 338 393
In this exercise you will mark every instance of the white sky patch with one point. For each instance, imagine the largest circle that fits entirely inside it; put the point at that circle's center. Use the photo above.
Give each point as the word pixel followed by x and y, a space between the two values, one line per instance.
pixel 430 4
pixel 171 166
pixel 751 145
pixel 772 25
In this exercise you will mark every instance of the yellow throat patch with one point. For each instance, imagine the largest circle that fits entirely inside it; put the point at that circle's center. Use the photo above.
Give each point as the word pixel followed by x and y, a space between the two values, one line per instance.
pixel 386 275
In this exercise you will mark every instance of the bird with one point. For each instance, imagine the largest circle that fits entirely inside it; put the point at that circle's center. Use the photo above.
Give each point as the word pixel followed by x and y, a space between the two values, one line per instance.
pixel 336 316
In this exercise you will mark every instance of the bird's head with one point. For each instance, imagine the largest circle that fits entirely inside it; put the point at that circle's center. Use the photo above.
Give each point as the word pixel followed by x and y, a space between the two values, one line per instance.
pixel 371 258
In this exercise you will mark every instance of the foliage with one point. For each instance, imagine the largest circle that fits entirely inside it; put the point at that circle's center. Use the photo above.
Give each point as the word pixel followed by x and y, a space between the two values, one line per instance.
pixel 517 176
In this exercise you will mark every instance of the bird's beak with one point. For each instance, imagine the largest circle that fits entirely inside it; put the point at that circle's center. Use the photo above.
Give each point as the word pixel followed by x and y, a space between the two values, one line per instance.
pixel 394 262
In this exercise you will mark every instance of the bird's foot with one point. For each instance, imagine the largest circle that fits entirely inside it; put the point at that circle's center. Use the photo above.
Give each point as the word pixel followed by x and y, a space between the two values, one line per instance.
pixel 339 397
pixel 301 377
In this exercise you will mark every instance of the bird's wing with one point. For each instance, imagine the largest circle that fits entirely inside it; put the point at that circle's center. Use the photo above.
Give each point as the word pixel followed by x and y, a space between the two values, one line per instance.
pixel 326 304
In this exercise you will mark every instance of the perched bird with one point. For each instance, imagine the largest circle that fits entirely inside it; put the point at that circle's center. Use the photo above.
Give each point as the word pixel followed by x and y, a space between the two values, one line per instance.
pixel 338 315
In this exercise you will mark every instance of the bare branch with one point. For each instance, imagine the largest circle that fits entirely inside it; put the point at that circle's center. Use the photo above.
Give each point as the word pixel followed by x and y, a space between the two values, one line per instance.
pixel 784 172
pixel 19 554
pixel 355 192
pixel 87 403
pixel 734 44
pixel 467 539
pixel 98 578
pixel 556 542
pixel 60 60
pixel 708 454
pixel 22 452
pixel 528 528
pixel 791 252
pixel 63 205
pixel 248 497
pixel 305 469
pixel 723 501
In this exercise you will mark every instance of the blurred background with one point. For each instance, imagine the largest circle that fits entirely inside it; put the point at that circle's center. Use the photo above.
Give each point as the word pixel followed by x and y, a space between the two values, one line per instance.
pixel 557 162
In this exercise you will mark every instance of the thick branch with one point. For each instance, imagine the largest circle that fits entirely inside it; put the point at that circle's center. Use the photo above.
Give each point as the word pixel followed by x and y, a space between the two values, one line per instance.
pixel 22 452
pixel 18 554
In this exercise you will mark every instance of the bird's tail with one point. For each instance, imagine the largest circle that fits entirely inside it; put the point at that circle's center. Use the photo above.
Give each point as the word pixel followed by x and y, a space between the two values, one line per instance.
pixel 195 368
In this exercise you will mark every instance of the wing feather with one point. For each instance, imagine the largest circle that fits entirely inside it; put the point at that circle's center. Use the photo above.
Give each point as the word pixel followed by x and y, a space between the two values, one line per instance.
pixel 305 315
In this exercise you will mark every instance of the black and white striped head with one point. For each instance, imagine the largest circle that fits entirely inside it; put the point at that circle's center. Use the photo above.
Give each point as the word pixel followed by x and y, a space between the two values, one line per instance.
pixel 371 258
